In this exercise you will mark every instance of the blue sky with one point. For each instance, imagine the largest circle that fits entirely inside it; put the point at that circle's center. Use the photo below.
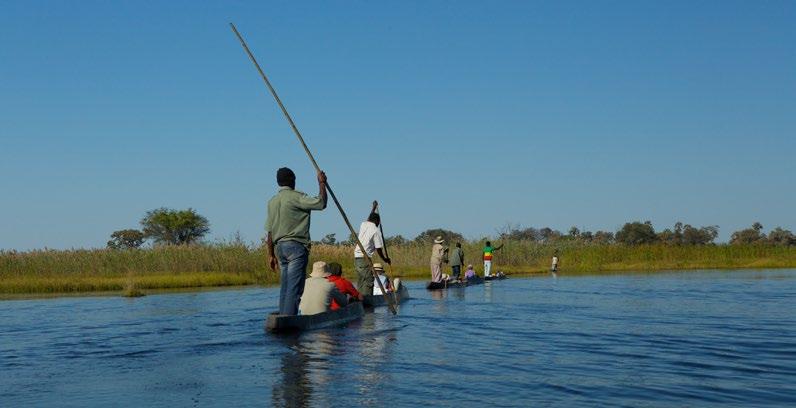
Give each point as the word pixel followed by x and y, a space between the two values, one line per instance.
pixel 462 115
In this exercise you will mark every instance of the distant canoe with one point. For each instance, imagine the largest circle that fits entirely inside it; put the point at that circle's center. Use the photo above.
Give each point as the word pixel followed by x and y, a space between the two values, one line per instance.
pixel 454 284
pixel 283 323
pixel 499 276
pixel 378 300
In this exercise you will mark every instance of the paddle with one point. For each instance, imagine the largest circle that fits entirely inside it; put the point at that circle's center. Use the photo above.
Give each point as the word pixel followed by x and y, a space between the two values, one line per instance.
pixel 388 299
pixel 384 240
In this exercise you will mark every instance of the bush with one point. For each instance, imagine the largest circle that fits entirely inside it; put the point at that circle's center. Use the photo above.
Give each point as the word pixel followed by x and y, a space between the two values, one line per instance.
pixel 636 233
pixel 749 236
pixel 126 239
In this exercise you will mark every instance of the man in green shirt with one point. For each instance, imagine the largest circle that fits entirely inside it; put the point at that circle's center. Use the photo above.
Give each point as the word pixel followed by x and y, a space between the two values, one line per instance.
pixel 457 261
pixel 288 239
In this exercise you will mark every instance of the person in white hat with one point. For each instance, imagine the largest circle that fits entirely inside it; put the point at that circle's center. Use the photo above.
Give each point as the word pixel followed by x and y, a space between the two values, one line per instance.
pixel 383 278
pixel 437 258
pixel 319 292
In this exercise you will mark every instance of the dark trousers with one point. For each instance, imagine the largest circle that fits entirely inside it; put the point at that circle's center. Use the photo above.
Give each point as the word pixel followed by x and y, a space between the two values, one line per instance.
pixel 364 276
pixel 293 257
pixel 457 269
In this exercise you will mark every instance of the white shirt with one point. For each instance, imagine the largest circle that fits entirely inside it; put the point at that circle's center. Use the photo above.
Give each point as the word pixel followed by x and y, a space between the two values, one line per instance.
pixel 370 237
pixel 376 290
pixel 555 260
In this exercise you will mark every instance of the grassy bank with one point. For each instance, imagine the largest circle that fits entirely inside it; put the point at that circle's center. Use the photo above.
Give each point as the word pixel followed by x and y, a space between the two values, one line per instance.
pixel 51 271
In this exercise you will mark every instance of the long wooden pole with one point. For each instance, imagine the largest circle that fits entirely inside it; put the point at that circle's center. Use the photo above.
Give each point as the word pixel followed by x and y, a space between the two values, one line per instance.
pixel 387 298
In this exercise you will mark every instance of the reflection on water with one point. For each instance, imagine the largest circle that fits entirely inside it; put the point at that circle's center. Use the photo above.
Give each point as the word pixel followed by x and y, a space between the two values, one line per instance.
pixel 677 339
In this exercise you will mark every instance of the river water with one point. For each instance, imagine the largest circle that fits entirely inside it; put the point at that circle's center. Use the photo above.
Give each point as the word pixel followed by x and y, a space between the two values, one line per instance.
pixel 664 339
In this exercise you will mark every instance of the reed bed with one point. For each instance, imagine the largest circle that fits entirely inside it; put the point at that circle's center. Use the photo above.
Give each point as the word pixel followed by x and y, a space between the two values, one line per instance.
pixel 87 270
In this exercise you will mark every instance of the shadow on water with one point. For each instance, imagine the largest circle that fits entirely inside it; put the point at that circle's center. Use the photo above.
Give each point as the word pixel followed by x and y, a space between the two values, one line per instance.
pixel 317 363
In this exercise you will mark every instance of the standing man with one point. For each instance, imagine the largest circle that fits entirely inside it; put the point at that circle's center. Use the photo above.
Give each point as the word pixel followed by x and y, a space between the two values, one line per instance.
pixel 288 240
pixel 554 267
pixel 371 239
pixel 437 257
pixel 488 251
pixel 457 261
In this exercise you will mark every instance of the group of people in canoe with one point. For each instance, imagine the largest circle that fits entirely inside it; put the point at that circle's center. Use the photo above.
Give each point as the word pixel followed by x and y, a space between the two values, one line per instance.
pixel 288 243
pixel 441 254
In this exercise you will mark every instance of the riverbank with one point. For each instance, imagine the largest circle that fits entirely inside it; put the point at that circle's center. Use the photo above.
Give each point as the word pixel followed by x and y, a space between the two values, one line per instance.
pixel 104 270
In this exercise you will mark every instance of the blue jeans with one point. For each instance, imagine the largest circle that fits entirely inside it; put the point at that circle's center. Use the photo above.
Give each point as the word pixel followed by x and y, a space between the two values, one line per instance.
pixel 293 257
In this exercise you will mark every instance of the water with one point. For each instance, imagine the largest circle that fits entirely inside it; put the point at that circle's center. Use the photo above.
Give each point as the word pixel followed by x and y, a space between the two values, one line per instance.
pixel 670 339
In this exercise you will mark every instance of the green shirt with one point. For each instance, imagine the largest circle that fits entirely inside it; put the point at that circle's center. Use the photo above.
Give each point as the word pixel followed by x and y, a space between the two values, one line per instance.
pixel 289 215
pixel 457 257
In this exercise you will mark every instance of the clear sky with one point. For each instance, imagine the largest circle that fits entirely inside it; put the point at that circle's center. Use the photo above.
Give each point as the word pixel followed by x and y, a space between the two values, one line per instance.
pixel 461 115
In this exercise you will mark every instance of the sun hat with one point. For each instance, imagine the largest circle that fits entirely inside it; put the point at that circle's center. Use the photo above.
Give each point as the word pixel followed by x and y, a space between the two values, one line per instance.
pixel 378 267
pixel 438 240
pixel 470 266
pixel 319 270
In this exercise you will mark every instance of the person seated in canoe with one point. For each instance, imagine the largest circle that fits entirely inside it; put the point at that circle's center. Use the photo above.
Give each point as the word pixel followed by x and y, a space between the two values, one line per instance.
pixel 319 292
pixel 383 278
pixel 343 285
pixel 469 274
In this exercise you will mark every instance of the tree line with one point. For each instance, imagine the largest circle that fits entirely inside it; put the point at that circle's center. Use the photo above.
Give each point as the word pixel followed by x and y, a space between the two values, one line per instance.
pixel 165 226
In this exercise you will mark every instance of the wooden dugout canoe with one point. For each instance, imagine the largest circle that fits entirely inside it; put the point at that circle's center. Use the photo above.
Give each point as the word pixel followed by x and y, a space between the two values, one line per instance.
pixel 378 300
pixel 453 284
pixel 276 323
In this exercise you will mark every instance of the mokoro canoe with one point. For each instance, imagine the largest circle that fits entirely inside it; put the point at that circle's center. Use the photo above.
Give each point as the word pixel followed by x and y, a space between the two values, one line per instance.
pixel 495 277
pixel 284 323
pixel 453 284
pixel 378 300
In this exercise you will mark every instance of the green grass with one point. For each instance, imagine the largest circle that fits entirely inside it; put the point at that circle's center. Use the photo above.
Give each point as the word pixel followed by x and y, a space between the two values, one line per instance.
pixel 132 272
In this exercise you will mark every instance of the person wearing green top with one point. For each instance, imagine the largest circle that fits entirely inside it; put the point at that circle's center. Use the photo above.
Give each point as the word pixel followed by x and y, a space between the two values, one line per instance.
pixel 288 238
pixel 456 261
pixel 488 252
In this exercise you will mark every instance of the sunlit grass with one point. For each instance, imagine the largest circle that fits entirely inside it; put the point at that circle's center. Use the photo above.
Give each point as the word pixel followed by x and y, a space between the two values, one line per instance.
pixel 132 272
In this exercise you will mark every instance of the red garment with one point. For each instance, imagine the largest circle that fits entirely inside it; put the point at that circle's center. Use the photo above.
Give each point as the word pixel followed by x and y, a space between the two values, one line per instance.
pixel 344 286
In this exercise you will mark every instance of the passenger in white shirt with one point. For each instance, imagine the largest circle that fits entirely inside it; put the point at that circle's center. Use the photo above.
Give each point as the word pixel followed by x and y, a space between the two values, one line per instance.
pixel 383 278
pixel 371 238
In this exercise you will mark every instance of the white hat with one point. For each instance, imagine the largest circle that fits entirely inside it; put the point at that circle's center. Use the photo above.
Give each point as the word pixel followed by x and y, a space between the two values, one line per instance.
pixel 438 239
pixel 320 270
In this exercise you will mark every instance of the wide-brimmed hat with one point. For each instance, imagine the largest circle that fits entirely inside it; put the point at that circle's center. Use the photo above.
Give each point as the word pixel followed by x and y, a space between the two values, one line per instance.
pixel 438 240
pixel 378 267
pixel 470 266
pixel 320 270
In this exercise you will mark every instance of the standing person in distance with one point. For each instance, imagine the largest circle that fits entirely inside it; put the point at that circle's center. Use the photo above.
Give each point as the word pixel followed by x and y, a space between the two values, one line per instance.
pixel 554 266
pixel 488 251
pixel 437 258
pixel 371 238
pixel 288 239
pixel 456 261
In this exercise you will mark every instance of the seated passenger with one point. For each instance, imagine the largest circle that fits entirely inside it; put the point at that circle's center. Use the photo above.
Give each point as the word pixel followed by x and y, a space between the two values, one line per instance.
pixel 470 273
pixel 343 285
pixel 383 278
pixel 319 292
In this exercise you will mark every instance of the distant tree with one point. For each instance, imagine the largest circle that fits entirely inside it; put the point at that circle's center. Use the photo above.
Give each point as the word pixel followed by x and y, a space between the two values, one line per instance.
pixel 329 239
pixel 175 227
pixel 428 236
pixel 752 235
pixel 574 232
pixel 636 233
pixel 586 236
pixel 779 236
pixel 699 236
pixel 603 237
pixel 548 234
pixel 396 240
pixel 126 239
pixel 518 233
